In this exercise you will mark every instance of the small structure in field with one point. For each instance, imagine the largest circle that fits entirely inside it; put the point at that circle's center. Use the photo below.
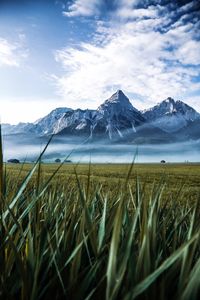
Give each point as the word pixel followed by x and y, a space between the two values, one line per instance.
pixel 162 161
pixel 13 161
pixel 57 160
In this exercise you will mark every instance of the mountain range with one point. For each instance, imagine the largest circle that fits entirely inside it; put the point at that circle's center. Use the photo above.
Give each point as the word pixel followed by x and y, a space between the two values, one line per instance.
pixel 117 120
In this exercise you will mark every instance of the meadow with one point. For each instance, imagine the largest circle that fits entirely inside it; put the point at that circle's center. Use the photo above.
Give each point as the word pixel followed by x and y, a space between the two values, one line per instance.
pixel 97 231
pixel 111 177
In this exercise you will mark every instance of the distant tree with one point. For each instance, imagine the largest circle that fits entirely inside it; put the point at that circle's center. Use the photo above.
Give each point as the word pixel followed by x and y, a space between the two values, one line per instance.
pixel 57 160
pixel 13 161
pixel 163 161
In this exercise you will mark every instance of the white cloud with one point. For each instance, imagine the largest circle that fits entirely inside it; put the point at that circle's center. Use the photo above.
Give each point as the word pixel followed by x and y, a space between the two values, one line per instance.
pixel 189 52
pixel 7 54
pixel 83 8
pixel 15 109
pixel 188 6
pixel 11 54
pixel 124 9
pixel 127 12
pixel 132 55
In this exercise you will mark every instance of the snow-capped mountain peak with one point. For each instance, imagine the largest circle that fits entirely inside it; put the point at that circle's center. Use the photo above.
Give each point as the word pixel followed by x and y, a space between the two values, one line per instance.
pixel 170 105
pixel 117 115
pixel 169 100
pixel 47 124
pixel 54 114
pixel 170 115
pixel 118 103
pixel 118 96
pixel 116 119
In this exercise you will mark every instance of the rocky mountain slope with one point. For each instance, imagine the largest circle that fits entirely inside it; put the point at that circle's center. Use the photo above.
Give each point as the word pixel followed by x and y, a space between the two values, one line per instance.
pixel 171 115
pixel 117 120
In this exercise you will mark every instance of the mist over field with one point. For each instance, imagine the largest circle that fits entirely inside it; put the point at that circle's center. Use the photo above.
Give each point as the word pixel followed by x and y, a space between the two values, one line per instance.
pixel 26 148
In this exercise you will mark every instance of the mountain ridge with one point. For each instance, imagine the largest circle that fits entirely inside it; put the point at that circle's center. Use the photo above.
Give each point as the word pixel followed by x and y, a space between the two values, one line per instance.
pixel 116 119
pixel 170 115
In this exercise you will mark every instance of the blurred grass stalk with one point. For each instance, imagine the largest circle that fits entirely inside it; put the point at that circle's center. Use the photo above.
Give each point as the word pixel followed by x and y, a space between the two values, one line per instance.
pixel 2 250
pixel 59 242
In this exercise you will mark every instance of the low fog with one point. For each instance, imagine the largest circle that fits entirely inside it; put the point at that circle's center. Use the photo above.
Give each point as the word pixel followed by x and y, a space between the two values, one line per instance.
pixel 28 149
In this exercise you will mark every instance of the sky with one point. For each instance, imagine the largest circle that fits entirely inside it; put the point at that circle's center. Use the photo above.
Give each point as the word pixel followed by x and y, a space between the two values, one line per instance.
pixel 76 53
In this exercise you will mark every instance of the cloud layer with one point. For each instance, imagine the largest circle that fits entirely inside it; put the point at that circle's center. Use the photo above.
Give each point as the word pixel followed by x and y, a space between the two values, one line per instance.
pixel 83 8
pixel 12 54
pixel 151 53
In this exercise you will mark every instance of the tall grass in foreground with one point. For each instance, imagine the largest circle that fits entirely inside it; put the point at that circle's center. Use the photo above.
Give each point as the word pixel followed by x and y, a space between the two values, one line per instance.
pixel 62 243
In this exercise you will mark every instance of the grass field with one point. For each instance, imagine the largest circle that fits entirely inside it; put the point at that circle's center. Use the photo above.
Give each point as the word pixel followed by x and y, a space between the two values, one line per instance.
pixel 110 176
pixel 100 231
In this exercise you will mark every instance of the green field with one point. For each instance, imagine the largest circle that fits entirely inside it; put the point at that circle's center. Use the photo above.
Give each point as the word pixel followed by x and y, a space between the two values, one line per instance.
pixel 100 231
pixel 111 176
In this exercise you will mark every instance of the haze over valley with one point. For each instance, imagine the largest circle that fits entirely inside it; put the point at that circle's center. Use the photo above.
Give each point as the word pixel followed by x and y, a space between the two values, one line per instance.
pixel 113 132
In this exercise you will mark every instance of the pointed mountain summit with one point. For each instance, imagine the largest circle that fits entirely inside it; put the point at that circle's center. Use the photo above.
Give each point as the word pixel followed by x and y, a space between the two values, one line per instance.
pixel 112 120
pixel 118 96
pixel 117 116
pixel 117 103
pixel 170 115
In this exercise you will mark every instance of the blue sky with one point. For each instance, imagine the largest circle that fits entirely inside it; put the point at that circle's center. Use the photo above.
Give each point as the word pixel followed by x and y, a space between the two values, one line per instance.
pixel 77 53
